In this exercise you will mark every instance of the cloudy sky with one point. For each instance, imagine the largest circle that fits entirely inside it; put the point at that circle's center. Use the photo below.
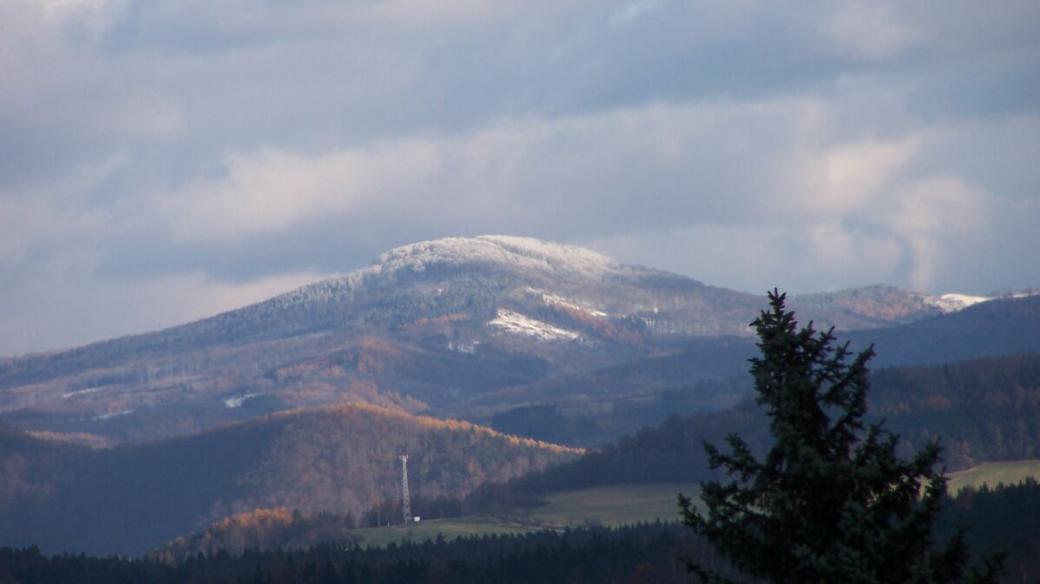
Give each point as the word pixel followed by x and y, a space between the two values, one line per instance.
pixel 163 160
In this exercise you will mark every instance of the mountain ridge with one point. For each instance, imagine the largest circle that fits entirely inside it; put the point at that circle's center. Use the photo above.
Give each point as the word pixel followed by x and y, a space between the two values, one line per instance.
pixel 481 314
pixel 494 250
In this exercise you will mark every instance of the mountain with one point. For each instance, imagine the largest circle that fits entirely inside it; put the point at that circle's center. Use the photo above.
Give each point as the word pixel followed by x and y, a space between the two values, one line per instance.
pixel 884 305
pixel 430 325
pixel 340 459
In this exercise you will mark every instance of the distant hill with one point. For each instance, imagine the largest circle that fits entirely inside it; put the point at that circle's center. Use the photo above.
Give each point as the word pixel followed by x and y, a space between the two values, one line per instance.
pixel 983 410
pixel 999 327
pixel 711 374
pixel 599 407
pixel 885 305
pixel 340 459
pixel 428 325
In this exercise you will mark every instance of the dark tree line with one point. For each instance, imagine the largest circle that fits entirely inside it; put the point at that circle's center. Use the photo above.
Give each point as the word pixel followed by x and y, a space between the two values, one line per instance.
pixel 639 554
pixel 1002 518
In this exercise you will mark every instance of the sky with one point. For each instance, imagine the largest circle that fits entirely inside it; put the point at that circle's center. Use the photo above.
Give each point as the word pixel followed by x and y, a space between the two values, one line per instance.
pixel 165 160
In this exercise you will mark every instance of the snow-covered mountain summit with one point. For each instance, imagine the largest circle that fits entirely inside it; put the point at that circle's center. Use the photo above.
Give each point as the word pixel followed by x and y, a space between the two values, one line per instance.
pixel 518 253
pixel 499 255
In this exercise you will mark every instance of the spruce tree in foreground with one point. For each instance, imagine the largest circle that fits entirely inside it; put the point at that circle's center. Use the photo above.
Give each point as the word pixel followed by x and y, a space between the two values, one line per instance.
pixel 831 502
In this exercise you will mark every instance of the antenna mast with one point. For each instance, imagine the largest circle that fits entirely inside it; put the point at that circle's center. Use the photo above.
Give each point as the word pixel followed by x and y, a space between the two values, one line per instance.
pixel 406 500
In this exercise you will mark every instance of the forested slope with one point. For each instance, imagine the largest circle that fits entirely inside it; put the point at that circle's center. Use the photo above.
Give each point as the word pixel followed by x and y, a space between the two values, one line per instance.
pixel 1001 519
pixel 983 410
pixel 341 459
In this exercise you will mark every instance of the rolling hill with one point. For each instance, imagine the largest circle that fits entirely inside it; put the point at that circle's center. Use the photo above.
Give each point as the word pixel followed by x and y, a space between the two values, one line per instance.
pixel 340 459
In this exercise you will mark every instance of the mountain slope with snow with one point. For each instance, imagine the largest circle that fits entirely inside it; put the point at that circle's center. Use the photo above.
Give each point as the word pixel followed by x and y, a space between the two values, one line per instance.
pixel 429 324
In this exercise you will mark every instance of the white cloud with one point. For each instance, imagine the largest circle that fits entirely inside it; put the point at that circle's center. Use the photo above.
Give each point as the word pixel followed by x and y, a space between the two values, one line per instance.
pixel 632 11
pixel 859 210
pixel 511 173
pixel 756 257
pixel 427 13
pixel 853 172
pixel 930 215
pixel 56 215
pixel 869 30
pixel 142 117
pixel 81 307
pixel 271 191
pixel 746 143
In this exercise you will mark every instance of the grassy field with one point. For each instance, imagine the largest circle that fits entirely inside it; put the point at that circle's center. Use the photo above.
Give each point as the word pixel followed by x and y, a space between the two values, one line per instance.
pixel 995 473
pixel 626 504
pixel 612 506
pixel 448 528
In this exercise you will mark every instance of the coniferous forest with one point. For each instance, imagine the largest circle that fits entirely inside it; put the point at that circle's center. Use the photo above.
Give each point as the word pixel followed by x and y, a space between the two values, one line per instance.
pixel 1000 519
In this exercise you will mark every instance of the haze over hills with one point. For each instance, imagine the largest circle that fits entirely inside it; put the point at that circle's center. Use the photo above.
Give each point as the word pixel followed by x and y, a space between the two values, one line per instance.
pixel 431 325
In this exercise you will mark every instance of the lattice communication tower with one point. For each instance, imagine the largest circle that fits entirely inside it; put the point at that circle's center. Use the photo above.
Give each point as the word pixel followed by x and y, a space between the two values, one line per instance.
pixel 406 500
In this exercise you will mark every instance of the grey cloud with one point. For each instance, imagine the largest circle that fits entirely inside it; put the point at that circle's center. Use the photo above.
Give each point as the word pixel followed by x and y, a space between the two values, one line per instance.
pixel 665 132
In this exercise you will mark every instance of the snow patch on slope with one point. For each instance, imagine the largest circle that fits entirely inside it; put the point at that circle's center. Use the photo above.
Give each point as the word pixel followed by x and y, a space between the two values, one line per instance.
pixel 468 348
pixel 237 401
pixel 79 392
pixel 955 302
pixel 109 416
pixel 518 324
pixel 556 300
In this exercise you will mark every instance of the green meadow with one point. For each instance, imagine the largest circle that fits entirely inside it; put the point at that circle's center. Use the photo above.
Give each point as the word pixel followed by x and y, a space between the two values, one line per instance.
pixel 609 506
pixel 995 473
pixel 624 505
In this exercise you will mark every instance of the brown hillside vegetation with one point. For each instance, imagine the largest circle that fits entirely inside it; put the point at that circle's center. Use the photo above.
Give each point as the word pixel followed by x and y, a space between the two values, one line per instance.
pixel 325 459
pixel 340 459
pixel 260 529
